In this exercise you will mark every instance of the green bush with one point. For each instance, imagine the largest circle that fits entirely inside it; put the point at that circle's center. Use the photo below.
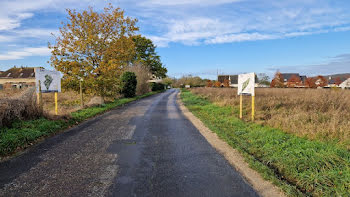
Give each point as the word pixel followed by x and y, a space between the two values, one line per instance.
pixel 129 83
pixel 157 86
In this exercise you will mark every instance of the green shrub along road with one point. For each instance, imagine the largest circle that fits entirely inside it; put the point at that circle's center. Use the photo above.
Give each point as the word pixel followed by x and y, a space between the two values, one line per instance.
pixel 25 133
pixel 297 165
pixel 129 83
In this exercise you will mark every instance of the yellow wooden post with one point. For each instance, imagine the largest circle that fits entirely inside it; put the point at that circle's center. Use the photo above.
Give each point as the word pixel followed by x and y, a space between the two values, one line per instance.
pixel 56 104
pixel 40 97
pixel 81 95
pixel 253 108
pixel 241 106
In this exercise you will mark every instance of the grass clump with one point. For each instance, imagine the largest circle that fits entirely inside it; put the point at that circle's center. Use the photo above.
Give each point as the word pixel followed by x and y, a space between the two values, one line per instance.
pixel 21 106
pixel 24 133
pixel 298 165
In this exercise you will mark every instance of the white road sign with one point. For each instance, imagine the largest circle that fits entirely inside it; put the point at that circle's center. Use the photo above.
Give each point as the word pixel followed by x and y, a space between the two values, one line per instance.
pixel 246 84
pixel 50 81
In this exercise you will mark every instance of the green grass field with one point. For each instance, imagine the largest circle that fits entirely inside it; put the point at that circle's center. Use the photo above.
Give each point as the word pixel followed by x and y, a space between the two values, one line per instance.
pixel 299 166
pixel 25 133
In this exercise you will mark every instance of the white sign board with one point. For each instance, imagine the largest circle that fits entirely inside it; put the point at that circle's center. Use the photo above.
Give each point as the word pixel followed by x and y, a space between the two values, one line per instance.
pixel 50 81
pixel 246 84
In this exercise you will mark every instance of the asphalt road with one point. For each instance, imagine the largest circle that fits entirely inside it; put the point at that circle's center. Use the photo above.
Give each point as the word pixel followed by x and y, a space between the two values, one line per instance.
pixel 146 148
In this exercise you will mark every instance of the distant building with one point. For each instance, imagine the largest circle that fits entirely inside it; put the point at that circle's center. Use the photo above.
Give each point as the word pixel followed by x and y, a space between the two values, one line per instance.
pixel 155 79
pixel 233 80
pixel 345 84
pixel 337 79
pixel 17 78
pixel 291 80
pixel 288 76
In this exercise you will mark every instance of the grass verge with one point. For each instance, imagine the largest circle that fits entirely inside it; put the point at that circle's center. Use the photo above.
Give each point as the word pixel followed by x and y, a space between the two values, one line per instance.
pixel 299 166
pixel 24 133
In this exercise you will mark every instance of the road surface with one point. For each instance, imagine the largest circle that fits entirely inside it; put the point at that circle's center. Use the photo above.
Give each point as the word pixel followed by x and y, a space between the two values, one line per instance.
pixel 146 148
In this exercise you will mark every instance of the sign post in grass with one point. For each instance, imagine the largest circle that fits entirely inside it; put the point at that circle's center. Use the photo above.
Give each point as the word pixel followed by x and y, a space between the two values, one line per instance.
pixel 40 98
pixel 241 106
pixel 48 81
pixel 246 86
pixel 81 94
pixel 56 104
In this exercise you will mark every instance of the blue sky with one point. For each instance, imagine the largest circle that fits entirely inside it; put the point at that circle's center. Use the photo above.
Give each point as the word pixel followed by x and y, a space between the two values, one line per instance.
pixel 200 37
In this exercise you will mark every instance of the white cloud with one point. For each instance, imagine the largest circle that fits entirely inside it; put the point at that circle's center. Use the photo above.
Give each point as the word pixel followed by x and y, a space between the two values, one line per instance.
pixel 6 38
pixel 193 31
pixel 26 52
pixel 17 35
pixel 345 28
pixel 35 32
pixel 186 2
pixel 195 22
pixel 159 41
pixel 24 15
pixel 8 23
pixel 247 21
pixel 240 38
pixel 13 12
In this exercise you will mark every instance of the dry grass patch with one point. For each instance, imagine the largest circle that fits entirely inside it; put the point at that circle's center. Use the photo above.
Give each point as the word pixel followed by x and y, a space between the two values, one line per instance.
pixel 313 113
pixel 68 102
pixel 10 93
pixel 21 104
pixel 18 105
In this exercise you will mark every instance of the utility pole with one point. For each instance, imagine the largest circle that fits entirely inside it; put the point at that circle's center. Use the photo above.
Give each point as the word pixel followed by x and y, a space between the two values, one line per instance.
pixel 217 73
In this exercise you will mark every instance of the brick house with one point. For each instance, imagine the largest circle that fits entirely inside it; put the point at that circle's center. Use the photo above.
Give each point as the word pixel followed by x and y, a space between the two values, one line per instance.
pixel 233 80
pixel 288 77
pixel 17 78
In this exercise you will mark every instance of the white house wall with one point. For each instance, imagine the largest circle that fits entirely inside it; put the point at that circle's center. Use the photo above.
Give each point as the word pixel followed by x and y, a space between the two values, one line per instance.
pixel 345 84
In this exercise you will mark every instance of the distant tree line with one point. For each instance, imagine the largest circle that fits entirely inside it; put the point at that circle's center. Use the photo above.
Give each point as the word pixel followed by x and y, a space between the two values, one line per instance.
pixel 193 81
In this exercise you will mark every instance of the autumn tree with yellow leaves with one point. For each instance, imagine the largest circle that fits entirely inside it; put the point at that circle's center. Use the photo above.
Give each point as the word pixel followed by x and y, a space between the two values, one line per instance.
pixel 95 47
